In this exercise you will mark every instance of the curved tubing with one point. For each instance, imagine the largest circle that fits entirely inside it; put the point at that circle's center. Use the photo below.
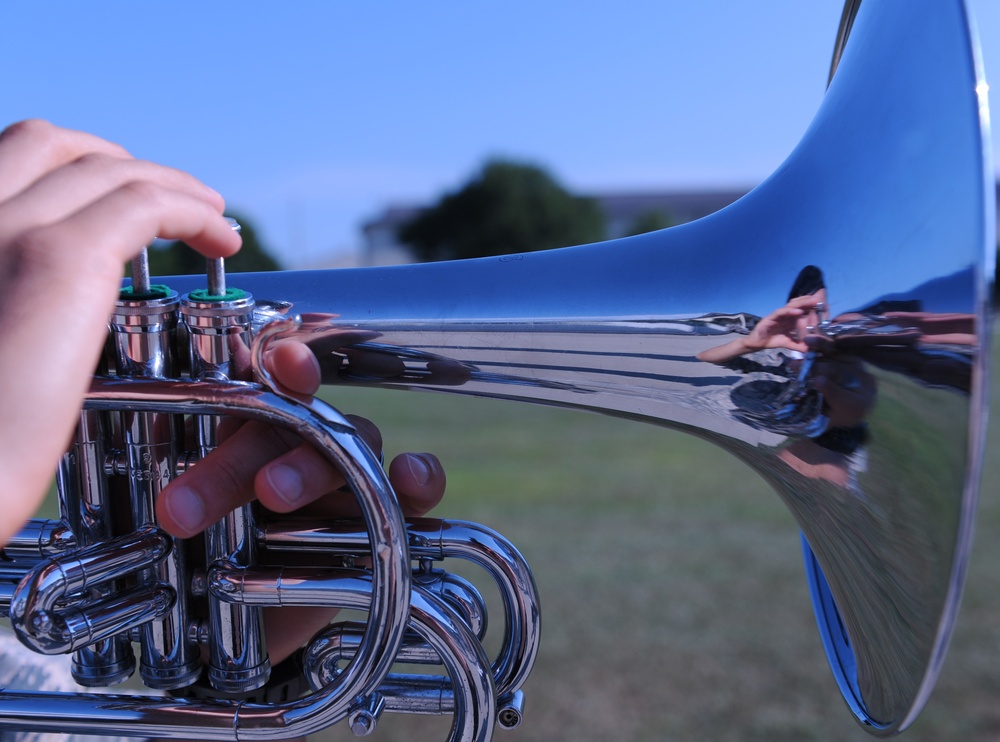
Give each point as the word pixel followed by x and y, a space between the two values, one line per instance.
pixel 470 695
pixel 43 625
pixel 182 718
pixel 386 597
pixel 435 539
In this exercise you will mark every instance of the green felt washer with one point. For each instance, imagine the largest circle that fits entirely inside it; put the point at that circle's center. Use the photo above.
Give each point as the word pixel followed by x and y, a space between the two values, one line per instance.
pixel 230 295
pixel 156 291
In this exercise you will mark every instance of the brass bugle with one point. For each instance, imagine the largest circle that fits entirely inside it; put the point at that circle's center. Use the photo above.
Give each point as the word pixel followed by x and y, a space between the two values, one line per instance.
pixel 830 329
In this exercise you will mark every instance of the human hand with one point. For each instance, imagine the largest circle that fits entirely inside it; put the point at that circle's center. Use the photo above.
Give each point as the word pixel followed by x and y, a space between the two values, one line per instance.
pixel 73 209
pixel 293 477
pixel 787 326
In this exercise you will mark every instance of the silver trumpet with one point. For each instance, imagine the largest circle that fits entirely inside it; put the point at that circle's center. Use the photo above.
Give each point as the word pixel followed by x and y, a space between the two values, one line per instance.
pixel 89 586
pixel 830 329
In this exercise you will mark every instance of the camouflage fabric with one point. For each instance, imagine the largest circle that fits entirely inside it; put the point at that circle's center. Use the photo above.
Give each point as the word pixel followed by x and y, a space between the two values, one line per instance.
pixel 22 669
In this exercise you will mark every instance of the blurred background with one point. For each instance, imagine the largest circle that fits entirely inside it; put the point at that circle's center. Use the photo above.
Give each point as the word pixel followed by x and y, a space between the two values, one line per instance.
pixel 674 596
pixel 314 118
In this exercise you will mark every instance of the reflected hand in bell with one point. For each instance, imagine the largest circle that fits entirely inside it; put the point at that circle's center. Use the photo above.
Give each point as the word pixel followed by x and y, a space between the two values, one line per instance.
pixel 788 326
pixel 785 327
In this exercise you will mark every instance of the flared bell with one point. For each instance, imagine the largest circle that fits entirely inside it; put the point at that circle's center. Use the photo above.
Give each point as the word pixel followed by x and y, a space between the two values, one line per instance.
pixel 830 329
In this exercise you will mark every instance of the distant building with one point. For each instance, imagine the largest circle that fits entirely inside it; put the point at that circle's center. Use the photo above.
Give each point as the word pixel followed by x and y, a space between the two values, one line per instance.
pixel 621 213
pixel 381 245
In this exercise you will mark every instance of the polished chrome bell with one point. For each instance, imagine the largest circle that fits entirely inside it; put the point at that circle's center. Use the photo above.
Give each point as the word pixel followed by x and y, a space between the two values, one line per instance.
pixel 873 436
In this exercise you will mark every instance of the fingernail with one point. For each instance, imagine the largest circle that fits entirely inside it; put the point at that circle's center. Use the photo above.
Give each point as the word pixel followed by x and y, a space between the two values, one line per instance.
pixel 186 508
pixel 286 483
pixel 419 470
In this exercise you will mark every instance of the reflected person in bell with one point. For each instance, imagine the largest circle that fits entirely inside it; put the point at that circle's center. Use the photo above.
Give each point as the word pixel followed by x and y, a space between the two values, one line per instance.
pixel 795 377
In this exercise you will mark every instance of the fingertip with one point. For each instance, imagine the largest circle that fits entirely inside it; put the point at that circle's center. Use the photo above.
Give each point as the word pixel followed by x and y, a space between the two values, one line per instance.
pixel 419 481
pixel 229 239
pixel 217 200
pixel 368 431
pixel 418 469
pixel 215 237
pixel 181 511
pixel 280 487
pixel 295 479
pixel 295 367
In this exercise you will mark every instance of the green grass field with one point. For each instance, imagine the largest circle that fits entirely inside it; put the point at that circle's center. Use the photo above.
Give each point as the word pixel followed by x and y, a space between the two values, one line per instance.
pixel 674 601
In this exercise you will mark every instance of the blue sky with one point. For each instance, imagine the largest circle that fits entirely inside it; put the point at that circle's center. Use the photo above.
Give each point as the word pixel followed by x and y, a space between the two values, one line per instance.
pixel 312 116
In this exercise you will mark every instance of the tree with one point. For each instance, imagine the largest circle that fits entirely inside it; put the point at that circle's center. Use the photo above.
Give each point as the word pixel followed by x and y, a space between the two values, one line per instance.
pixel 508 207
pixel 177 259
pixel 651 221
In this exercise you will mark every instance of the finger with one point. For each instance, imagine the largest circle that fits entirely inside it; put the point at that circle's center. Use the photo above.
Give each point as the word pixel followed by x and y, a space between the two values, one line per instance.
pixel 294 366
pixel 419 481
pixel 296 479
pixel 110 231
pixel 79 260
pixel 30 149
pixel 779 318
pixel 66 190
pixel 303 475
pixel 81 257
pixel 788 311
pixel 231 475
pixel 809 301
pixel 222 481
